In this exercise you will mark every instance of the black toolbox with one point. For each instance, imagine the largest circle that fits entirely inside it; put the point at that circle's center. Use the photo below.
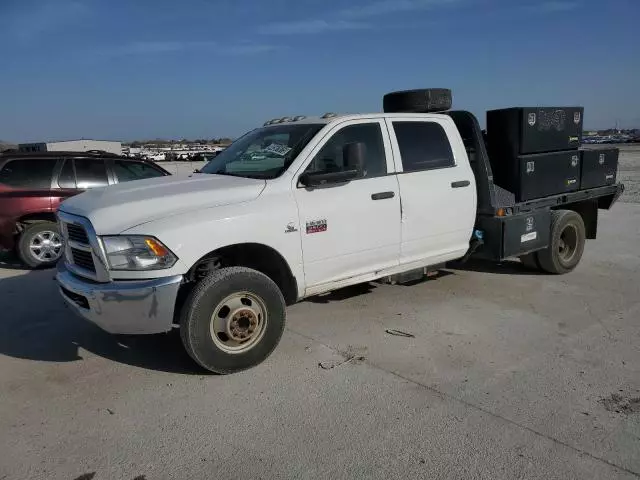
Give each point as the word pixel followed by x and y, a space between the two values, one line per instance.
pixel 599 167
pixel 524 130
pixel 538 175
pixel 514 235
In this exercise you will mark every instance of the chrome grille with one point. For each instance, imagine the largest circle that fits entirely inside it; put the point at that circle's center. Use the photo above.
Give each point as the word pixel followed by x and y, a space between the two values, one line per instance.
pixel 77 233
pixel 83 259
pixel 83 251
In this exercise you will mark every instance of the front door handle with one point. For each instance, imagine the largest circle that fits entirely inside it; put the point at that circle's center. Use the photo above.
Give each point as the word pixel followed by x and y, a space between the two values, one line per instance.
pixel 460 184
pixel 382 195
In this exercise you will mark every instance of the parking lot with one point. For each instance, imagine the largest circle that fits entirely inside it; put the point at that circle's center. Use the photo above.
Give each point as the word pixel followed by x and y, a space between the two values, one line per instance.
pixel 506 374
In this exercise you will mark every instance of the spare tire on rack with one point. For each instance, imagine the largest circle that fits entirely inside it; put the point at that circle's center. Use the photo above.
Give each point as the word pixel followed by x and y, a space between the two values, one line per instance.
pixel 424 100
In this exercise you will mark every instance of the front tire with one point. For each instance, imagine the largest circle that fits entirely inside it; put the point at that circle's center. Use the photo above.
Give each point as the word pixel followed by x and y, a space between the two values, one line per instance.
pixel 40 245
pixel 232 320
pixel 568 236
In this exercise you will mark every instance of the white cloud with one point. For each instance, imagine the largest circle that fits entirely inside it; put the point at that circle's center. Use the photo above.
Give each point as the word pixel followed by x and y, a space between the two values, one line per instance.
pixel 161 47
pixel 27 22
pixel 302 27
pixel 384 7
pixel 349 19
pixel 554 6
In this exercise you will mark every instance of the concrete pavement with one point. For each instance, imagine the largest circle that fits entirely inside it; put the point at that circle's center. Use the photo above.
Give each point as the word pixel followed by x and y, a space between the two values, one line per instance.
pixel 510 375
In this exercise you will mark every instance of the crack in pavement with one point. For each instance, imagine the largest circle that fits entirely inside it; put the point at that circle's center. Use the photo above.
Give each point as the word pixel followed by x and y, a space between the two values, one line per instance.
pixel 476 407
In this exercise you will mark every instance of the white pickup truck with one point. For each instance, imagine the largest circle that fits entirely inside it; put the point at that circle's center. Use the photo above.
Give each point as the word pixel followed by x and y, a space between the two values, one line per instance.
pixel 296 208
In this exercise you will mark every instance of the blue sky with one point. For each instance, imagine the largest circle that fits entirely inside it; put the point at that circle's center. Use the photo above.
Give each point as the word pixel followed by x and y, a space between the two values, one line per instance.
pixel 119 69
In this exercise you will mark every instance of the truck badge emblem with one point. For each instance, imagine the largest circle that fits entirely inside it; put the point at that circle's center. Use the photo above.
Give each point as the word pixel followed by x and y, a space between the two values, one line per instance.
pixel 576 118
pixel 529 224
pixel 532 119
pixel 317 226
pixel 601 159
pixel 531 167
pixel 291 227
pixel 574 161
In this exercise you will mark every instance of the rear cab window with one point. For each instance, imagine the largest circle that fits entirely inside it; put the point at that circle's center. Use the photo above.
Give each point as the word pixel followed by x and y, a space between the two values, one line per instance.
pixel 423 145
pixel 28 173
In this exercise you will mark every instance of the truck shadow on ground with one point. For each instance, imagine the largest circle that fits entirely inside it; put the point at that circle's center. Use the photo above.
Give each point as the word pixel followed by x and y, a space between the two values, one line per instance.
pixel 360 289
pixel 506 267
pixel 35 324
pixel 9 261
pixel 344 293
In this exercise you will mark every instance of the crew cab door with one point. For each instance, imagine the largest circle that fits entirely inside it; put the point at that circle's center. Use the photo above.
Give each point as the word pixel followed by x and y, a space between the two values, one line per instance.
pixel 437 189
pixel 352 228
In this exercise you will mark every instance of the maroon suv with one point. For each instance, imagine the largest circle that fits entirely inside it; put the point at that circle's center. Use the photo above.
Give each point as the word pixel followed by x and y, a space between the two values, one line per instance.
pixel 32 186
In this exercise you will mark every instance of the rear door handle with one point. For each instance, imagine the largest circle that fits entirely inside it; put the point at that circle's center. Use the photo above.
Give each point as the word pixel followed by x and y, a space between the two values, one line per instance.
pixel 460 184
pixel 382 195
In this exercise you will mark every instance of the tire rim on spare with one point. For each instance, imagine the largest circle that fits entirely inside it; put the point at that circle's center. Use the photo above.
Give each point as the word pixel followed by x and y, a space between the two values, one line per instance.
pixel 238 322
pixel 46 246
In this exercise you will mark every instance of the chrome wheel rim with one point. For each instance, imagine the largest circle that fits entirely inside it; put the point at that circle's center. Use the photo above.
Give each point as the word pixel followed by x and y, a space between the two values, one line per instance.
pixel 46 246
pixel 238 322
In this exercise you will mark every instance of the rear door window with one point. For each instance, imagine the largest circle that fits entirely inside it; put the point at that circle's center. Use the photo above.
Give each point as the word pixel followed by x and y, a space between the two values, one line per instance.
pixel 423 146
pixel 31 173
pixel 67 177
pixel 91 173
pixel 127 171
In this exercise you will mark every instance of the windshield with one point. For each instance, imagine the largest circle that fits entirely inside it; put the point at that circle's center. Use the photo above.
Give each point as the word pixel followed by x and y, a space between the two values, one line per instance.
pixel 263 153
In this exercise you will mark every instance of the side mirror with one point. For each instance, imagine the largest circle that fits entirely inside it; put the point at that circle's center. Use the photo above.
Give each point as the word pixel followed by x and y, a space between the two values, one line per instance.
pixel 354 155
pixel 318 179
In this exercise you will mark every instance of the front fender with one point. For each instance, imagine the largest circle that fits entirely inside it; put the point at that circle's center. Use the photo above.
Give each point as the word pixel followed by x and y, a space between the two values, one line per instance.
pixel 271 222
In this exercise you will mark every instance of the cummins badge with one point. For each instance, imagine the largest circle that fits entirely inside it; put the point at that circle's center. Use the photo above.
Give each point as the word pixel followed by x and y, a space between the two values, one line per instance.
pixel 532 119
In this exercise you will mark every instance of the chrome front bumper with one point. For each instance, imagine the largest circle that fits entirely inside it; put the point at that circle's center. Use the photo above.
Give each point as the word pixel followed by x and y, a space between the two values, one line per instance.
pixel 122 307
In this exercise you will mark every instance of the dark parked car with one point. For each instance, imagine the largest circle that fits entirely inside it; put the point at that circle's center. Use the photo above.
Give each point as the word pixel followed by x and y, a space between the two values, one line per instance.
pixel 32 186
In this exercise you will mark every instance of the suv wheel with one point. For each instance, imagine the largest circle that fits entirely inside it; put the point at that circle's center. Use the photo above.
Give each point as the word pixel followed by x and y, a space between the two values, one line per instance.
pixel 40 245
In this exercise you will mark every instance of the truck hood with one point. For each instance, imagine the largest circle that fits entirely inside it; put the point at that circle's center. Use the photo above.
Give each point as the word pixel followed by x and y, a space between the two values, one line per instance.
pixel 119 207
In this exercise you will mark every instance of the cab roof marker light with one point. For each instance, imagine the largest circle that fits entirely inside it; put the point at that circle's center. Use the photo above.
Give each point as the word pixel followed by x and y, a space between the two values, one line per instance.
pixel 299 117
pixel 329 115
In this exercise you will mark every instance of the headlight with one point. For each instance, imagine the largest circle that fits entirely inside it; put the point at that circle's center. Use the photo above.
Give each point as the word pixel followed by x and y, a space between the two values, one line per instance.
pixel 137 252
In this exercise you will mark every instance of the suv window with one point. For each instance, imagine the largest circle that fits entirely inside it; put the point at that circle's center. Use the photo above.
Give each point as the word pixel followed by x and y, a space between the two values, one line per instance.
pixel 67 177
pixel 330 159
pixel 28 173
pixel 91 173
pixel 423 146
pixel 127 171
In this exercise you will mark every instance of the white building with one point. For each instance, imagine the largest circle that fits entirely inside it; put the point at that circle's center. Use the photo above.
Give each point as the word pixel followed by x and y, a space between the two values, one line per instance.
pixel 72 146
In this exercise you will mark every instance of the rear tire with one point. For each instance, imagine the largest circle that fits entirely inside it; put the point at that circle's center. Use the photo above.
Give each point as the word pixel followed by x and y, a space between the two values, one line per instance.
pixel 232 320
pixel 40 245
pixel 568 236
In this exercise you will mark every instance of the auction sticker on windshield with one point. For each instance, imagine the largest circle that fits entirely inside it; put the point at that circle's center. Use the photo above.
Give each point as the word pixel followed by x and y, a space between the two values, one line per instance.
pixel 278 149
